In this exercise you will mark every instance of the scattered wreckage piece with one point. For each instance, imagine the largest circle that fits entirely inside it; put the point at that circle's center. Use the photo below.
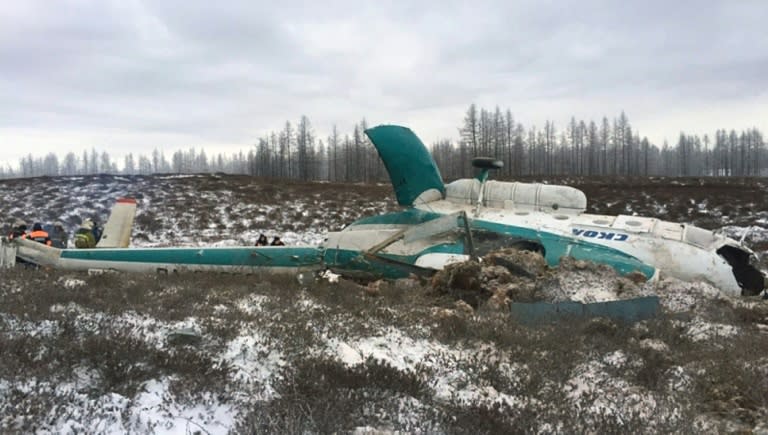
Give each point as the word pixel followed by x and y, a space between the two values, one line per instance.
pixel 625 310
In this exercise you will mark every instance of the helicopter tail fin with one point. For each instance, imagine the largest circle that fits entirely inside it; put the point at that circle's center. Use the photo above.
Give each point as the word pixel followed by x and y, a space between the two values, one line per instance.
pixel 412 170
pixel 117 230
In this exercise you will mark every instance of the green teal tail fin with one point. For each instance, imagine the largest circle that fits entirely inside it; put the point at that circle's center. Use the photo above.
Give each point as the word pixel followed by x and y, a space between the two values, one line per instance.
pixel 414 174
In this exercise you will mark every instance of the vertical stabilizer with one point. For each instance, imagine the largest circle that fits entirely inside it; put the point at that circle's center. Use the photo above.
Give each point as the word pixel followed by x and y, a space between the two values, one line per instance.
pixel 414 174
pixel 117 231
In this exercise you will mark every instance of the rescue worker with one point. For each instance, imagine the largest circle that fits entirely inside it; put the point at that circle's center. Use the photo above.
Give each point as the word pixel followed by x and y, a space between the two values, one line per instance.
pixel 19 230
pixel 39 235
pixel 84 238
pixel 59 236
pixel 262 240
pixel 277 242
pixel 96 229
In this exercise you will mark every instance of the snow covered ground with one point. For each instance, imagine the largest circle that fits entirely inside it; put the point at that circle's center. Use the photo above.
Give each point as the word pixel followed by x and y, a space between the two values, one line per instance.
pixel 258 354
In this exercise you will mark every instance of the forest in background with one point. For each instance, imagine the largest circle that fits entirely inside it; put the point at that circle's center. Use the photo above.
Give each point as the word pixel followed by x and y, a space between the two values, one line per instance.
pixel 586 148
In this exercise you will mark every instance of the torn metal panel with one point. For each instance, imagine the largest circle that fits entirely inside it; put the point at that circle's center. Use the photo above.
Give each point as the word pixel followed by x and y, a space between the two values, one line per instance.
pixel 434 227
pixel 628 310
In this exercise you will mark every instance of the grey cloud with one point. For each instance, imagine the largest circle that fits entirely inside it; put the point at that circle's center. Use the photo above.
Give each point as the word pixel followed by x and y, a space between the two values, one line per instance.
pixel 223 70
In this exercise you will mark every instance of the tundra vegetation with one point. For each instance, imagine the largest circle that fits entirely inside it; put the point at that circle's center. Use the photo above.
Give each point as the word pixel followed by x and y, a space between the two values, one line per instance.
pixel 213 353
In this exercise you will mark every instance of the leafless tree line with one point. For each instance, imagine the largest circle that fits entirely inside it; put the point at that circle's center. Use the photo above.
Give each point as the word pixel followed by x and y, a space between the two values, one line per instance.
pixel 605 148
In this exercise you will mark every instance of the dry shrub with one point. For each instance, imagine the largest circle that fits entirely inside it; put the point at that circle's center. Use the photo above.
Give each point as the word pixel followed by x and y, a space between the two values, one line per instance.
pixel 652 374
pixel 148 221
pixel 345 296
pixel 325 396
pixel 122 360
pixel 733 382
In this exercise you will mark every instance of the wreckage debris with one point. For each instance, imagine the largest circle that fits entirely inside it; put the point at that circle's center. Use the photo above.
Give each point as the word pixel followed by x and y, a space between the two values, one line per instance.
pixel 517 276
pixel 518 262
pixel 628 310
pixel 184 336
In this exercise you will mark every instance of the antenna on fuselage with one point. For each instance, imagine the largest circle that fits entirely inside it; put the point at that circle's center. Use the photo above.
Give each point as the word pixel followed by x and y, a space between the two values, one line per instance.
pixel 485 164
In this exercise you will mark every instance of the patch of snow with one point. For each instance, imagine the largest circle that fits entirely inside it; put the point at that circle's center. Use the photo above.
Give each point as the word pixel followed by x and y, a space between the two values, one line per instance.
pixel 170 177
pixel 330 276
pixel 306 304
pixel 679 296
pixel 255 360
pixel 153 410
pixel 751 233
pixel 700 330
pixel 252 304
pixel 347 354
pixel 679 379
pixel 654 344
pixel 72 283
pixel 616 359
pixel 449 380
pixel 220 309
pixel 71 307
pixel 397 349
pixel 156 410
pixel 13 326
pixel 593 390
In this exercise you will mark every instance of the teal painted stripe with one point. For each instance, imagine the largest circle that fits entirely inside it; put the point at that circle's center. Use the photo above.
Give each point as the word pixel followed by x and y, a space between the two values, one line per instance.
pixel 351 260
pixel 557 246
pixel 411 216
pixel 354 263
pixel 236 256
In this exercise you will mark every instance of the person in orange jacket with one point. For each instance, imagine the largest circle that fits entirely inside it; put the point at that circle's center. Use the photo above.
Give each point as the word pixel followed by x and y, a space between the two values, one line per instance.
pixel 39 235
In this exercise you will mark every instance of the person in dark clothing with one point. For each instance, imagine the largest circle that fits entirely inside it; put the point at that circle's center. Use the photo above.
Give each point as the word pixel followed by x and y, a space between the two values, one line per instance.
pixel 97 229
pixel 262 240
pixel 59 236
pixel 39 235
pixel 277 242
pixel 19 230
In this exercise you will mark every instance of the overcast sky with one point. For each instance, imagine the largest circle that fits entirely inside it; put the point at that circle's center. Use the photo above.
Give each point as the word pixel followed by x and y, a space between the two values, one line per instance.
pixel 131 75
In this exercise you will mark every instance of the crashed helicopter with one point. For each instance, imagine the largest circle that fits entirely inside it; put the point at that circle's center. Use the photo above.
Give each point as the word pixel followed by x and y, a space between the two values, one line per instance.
pixel 443 224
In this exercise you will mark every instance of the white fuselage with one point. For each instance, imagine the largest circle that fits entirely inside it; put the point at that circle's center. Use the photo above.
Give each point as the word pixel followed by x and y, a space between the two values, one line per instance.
pixel 683 251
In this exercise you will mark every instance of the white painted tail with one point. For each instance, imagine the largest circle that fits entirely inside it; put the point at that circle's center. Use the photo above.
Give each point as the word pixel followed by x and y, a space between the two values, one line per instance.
pixel 117 231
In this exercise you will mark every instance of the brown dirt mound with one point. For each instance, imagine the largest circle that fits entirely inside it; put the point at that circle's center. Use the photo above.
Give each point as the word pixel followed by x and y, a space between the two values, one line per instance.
pixel 523 276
